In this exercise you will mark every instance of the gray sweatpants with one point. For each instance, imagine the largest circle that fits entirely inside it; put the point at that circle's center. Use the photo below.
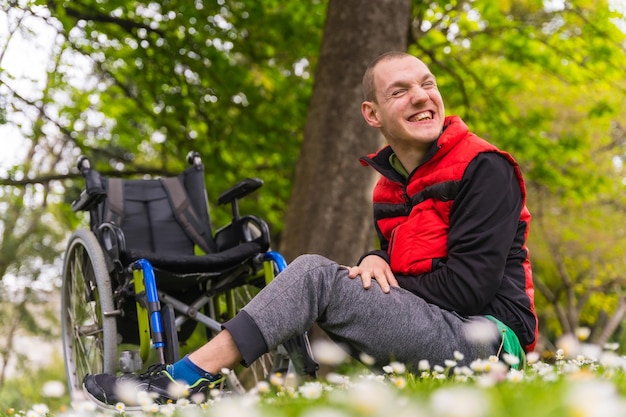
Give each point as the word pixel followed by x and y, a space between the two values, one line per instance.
pixel 396 326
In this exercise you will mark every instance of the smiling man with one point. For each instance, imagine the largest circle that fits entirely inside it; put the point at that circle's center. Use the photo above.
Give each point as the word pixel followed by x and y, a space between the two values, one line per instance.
pixel 451 218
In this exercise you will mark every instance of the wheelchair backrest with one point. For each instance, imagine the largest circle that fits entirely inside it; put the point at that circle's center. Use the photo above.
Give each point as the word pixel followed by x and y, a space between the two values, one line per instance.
pixel 167 216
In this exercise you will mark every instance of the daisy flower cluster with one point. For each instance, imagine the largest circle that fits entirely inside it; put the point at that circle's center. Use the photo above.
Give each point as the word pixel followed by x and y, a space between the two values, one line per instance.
pixel 578 379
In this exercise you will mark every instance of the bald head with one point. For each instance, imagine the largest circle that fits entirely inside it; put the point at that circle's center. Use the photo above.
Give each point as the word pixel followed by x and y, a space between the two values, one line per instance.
pixel 369 88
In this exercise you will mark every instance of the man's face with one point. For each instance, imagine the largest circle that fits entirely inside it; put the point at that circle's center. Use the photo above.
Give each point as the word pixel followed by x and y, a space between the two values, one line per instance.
pixel 408 109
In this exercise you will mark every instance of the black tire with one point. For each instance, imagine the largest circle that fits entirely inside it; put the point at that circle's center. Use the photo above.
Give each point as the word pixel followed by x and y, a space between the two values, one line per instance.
pixel 89 334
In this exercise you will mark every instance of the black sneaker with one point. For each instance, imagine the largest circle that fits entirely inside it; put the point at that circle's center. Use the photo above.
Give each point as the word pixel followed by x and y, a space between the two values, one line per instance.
pixel 156 385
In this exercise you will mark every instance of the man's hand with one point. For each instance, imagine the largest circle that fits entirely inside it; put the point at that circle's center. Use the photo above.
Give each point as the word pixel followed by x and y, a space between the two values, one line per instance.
pixel 374 267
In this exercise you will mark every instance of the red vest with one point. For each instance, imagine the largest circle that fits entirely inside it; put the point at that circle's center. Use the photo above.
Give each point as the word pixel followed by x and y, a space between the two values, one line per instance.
pixel 417 236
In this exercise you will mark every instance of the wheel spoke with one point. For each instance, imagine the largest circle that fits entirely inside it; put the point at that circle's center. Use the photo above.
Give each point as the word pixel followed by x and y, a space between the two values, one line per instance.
pixel 85 331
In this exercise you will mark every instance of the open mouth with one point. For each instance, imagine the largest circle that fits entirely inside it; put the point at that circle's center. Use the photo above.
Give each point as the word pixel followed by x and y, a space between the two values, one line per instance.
pixel 425 115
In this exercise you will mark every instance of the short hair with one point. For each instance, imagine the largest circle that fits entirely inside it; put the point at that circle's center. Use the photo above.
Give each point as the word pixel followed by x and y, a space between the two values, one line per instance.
pixel 369 90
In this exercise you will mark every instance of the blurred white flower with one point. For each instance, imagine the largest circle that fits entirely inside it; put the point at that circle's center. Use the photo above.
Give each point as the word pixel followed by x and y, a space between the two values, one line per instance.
pixel 479 365
pixel 183 402
pixel 394 368
pixel 143 398
pixel 459 401
pixel 463 370
pixel 611 346
pixel 450 363
pixel 337 379
pixel 38 410
pixel 461 378
pixel 84 406
pixel 458 356
pixel 120 407
pixel 499 370
pixel 263 387
pixel 150 408
pixel 594 398
pixel 235 406
pixel 368 397
pixel 277 380
pixel 167 410
pixel 327 352
pixel 291 380
pixel 423 365
pixel 569 345
pixel 53 389
pixel 480 332
pixel 590 351
pixel 198 397
pixel 582 333
pixel 399 381
pixel 398 367
pixel 178 389
pixel 311 390
pixel 128 393
pixel 611 360
pixel 485 380
pixel 532 357
pixel 367 359
pixel 514 375
pixel 511 360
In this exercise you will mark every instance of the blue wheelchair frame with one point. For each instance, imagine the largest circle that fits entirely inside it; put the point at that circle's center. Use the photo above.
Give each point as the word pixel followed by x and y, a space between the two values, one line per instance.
pixel 146 280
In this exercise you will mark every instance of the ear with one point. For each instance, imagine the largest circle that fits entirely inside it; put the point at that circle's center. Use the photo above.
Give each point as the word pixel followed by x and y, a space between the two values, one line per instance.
pixel 368 110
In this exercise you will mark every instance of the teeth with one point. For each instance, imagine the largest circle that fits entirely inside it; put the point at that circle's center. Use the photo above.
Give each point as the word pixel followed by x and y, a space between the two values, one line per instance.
pixel 422 116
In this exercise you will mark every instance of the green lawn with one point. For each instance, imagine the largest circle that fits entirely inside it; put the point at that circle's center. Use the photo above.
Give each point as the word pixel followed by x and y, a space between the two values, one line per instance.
pixel 587 383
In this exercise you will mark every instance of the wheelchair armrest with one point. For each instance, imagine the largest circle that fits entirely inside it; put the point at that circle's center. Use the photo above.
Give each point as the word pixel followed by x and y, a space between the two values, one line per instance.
pixel 239 190
pixel 245 229
pixel 88 200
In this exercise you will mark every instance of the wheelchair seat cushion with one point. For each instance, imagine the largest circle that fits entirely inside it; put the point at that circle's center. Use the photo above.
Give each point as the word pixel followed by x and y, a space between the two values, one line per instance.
pixel 212 262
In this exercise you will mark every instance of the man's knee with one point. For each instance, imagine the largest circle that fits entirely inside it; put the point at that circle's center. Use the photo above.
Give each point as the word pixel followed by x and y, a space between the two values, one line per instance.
pixel 309 261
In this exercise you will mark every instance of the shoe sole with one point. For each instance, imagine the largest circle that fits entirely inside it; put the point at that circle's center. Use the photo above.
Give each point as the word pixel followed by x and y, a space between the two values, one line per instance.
pixel 130 409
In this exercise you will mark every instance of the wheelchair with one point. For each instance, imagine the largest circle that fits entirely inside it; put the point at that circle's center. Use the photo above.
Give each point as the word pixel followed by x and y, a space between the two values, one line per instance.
pixel 149 281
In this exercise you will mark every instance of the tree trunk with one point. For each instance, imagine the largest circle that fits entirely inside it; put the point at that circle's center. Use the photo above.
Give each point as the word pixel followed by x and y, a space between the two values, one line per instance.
pixel 330 212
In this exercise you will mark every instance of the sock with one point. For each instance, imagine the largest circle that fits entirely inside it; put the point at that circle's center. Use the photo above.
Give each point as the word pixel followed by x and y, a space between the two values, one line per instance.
pixel 185 370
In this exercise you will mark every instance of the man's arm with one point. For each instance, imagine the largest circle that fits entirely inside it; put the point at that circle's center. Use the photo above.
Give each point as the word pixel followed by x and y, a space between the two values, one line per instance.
pixel 483 224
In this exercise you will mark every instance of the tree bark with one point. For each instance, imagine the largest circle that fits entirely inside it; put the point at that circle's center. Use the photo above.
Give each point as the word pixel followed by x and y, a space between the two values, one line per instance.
pixel 330 211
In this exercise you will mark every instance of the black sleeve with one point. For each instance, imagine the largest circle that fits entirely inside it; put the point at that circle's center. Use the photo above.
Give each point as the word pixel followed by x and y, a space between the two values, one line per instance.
pixel 483 222
pixel 377 252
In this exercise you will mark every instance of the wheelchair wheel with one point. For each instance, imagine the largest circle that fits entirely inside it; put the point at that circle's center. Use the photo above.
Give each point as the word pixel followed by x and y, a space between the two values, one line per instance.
pixel 89 334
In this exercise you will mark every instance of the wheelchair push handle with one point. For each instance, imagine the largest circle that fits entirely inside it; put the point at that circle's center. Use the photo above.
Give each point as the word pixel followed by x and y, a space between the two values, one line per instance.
pixel 83 163
pixel 193 158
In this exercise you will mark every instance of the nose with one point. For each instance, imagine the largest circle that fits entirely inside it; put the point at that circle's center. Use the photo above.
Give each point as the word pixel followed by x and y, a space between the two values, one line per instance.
pixel 418 94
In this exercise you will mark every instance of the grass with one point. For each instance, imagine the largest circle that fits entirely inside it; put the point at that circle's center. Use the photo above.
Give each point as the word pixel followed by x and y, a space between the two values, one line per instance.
pixel 581 381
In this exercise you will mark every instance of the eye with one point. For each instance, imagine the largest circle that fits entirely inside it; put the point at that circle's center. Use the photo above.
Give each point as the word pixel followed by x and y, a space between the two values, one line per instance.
pixel 429 83
pixel 399 92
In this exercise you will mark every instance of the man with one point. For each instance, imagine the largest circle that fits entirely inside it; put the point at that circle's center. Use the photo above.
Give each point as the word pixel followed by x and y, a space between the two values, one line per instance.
pixel 451 217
